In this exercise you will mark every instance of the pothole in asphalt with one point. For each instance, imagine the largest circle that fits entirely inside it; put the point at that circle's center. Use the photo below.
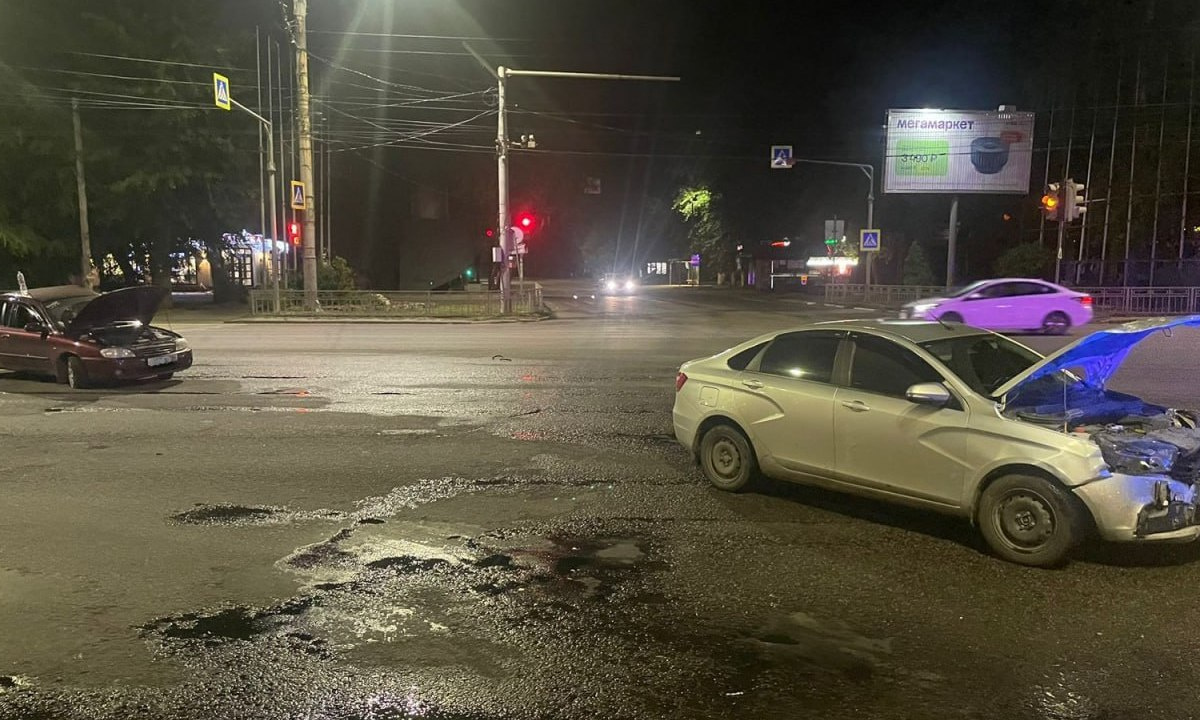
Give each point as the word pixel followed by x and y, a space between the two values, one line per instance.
pixel 823 644
pixel 227 515
pixel 239 623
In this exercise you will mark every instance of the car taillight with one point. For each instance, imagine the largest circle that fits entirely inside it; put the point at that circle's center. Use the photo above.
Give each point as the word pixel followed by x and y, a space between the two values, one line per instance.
pixel 680 379
pixel 1085 300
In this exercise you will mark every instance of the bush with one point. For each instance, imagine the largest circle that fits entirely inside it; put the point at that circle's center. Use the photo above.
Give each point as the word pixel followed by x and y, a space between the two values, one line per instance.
pixel 1025 260
pixel 917 270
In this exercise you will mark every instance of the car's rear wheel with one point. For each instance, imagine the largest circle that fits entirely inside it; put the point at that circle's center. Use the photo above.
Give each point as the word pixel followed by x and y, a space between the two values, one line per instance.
pixel 727 459
pixel 76 373
pixel 951 317
pixel 1056 323
pixel 165 376
pixel 1029 520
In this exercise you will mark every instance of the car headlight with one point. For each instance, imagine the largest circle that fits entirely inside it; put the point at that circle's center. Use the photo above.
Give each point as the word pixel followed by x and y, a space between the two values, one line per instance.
pixel 181 345
pixel 113 353
pixel 611 285
pixel 629 285
pixel 1138 457
pixel 921 309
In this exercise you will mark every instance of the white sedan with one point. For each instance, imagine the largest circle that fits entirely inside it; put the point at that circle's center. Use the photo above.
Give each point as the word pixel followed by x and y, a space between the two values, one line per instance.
pixel 1007 304
pixel 1032 449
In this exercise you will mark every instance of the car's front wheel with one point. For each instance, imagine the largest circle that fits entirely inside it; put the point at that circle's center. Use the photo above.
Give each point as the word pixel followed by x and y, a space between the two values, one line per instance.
pixel 76 373
pixel 1029 520
pixel 951 317
pixel 727 459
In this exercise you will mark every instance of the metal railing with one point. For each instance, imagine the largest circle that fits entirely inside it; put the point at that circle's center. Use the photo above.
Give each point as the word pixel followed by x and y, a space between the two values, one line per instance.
pixel 1130 300
pixel 886 295
pixel 393 303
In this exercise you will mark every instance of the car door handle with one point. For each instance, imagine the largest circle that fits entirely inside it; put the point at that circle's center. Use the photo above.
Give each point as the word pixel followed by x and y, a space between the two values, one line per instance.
pixel 752 384
pixel 855 405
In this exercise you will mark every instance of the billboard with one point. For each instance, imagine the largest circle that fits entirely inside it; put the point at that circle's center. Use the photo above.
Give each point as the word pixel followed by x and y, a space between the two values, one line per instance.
pixel 958 151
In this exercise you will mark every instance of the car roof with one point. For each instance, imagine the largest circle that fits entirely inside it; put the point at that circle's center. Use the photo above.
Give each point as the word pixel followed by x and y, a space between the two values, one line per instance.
pixel 916 331
pixel 52 293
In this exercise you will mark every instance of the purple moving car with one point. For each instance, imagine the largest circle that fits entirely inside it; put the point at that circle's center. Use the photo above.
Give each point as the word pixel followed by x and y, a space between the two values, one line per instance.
pixel 1008 304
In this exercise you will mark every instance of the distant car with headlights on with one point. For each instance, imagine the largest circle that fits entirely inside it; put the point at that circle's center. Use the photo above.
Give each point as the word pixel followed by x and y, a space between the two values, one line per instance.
pixel 616 284
pixel 1034 451
pixel 82 338
pixel 1014 304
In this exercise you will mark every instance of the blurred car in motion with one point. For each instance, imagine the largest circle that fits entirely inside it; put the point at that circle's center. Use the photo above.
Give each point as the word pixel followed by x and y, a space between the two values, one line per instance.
pixel 82 338
pixel 617 284
pixel 1007 304
pixel 1033 450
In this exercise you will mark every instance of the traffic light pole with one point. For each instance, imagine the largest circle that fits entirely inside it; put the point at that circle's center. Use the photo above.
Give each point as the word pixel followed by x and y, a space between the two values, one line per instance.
pixel 271 181
pixel 504 224
pixel 1064 214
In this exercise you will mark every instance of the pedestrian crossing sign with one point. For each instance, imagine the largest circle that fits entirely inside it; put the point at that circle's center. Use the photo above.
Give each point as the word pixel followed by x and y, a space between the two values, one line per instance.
pixel 221 92
pixel 298 199
pixel 869 240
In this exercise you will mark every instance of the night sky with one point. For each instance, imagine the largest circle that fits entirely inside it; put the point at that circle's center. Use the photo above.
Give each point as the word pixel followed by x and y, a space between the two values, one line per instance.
pixel 819 77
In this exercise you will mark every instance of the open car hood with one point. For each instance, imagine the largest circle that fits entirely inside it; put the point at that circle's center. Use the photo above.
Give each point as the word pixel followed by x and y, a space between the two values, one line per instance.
pixel 125 305
pixel 1099 355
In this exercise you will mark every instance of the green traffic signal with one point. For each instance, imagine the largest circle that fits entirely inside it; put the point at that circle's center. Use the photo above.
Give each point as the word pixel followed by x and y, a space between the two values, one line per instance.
pixel 470 273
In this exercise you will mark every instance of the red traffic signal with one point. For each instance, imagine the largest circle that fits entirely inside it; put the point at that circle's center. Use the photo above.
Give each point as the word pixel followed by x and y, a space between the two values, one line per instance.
pixel 490 233
pixel 527 221
pixel 294 233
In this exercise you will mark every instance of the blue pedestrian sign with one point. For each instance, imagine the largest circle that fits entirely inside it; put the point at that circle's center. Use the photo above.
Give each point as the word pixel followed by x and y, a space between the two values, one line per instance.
pixel 868 240
pixel 298 199
pixel 781 156
pixel 221 93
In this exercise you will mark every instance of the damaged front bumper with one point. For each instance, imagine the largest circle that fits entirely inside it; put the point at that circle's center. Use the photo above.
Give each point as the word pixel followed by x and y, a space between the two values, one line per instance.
pixel 1142 508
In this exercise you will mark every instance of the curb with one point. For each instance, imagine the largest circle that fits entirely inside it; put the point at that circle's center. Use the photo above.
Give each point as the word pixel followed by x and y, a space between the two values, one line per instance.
pixel 385 321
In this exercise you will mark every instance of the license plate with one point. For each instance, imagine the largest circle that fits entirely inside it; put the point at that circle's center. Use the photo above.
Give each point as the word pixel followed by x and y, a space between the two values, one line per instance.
pixel 160 360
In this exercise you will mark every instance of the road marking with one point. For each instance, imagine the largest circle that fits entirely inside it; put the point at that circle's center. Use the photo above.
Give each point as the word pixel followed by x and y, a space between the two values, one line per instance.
pixel 863 308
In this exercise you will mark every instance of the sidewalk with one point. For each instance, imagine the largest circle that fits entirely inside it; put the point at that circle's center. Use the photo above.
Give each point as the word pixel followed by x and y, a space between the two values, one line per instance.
pixel 240 314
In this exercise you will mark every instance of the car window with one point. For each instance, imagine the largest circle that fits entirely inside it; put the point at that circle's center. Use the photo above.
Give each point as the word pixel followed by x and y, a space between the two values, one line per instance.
pixel 983 362
pixel 741 360
pixel 803 355
pixel 881 366
pixel 1030 288
pixel 19 315
pixel 999 290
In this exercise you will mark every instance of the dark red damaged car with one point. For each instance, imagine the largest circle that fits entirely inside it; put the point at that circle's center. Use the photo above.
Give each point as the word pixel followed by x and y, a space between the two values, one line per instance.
pixel 83 338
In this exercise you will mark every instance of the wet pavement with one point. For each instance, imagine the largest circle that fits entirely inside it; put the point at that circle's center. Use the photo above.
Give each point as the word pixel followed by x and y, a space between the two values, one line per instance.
pixel 352 521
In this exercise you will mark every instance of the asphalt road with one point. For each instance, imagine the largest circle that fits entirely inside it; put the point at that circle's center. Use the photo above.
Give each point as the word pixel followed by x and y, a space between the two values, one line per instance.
pixel 493 521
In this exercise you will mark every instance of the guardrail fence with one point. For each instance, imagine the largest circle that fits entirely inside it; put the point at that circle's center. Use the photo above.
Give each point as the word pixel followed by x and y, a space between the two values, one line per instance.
pixel 390 303
pixel 1129 300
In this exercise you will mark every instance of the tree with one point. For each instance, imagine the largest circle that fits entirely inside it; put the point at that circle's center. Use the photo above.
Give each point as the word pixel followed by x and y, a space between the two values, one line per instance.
pixel 165 173
pixel 1025 260
pixel 917 270
pixel 700 208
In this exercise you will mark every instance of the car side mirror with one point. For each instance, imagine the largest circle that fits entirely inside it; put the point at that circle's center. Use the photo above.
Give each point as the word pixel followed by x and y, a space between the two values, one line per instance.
pixel 929 393
pixel 37 327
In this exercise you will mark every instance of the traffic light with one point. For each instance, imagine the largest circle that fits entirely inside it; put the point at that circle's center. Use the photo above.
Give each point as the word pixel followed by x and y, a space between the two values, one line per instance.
pixel 294 233
pixel 1073 196
pixel 527 221
pixel 1052 202
pixel 469 273
pixel 489 233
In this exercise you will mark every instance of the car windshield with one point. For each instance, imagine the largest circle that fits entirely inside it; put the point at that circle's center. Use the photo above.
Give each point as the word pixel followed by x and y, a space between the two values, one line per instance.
pixel 984 362
pixel 965 289
pixel 64 310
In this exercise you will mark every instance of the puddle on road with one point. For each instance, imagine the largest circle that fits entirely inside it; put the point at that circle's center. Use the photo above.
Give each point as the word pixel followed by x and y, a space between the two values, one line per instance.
pixel 227 515
pixel 242 515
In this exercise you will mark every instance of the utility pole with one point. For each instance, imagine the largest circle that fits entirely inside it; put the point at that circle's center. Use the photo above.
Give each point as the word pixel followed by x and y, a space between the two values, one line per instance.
pixel 85 239
pixel 300 11
pixel 502 194
pixel 503 221
pixel 952 242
